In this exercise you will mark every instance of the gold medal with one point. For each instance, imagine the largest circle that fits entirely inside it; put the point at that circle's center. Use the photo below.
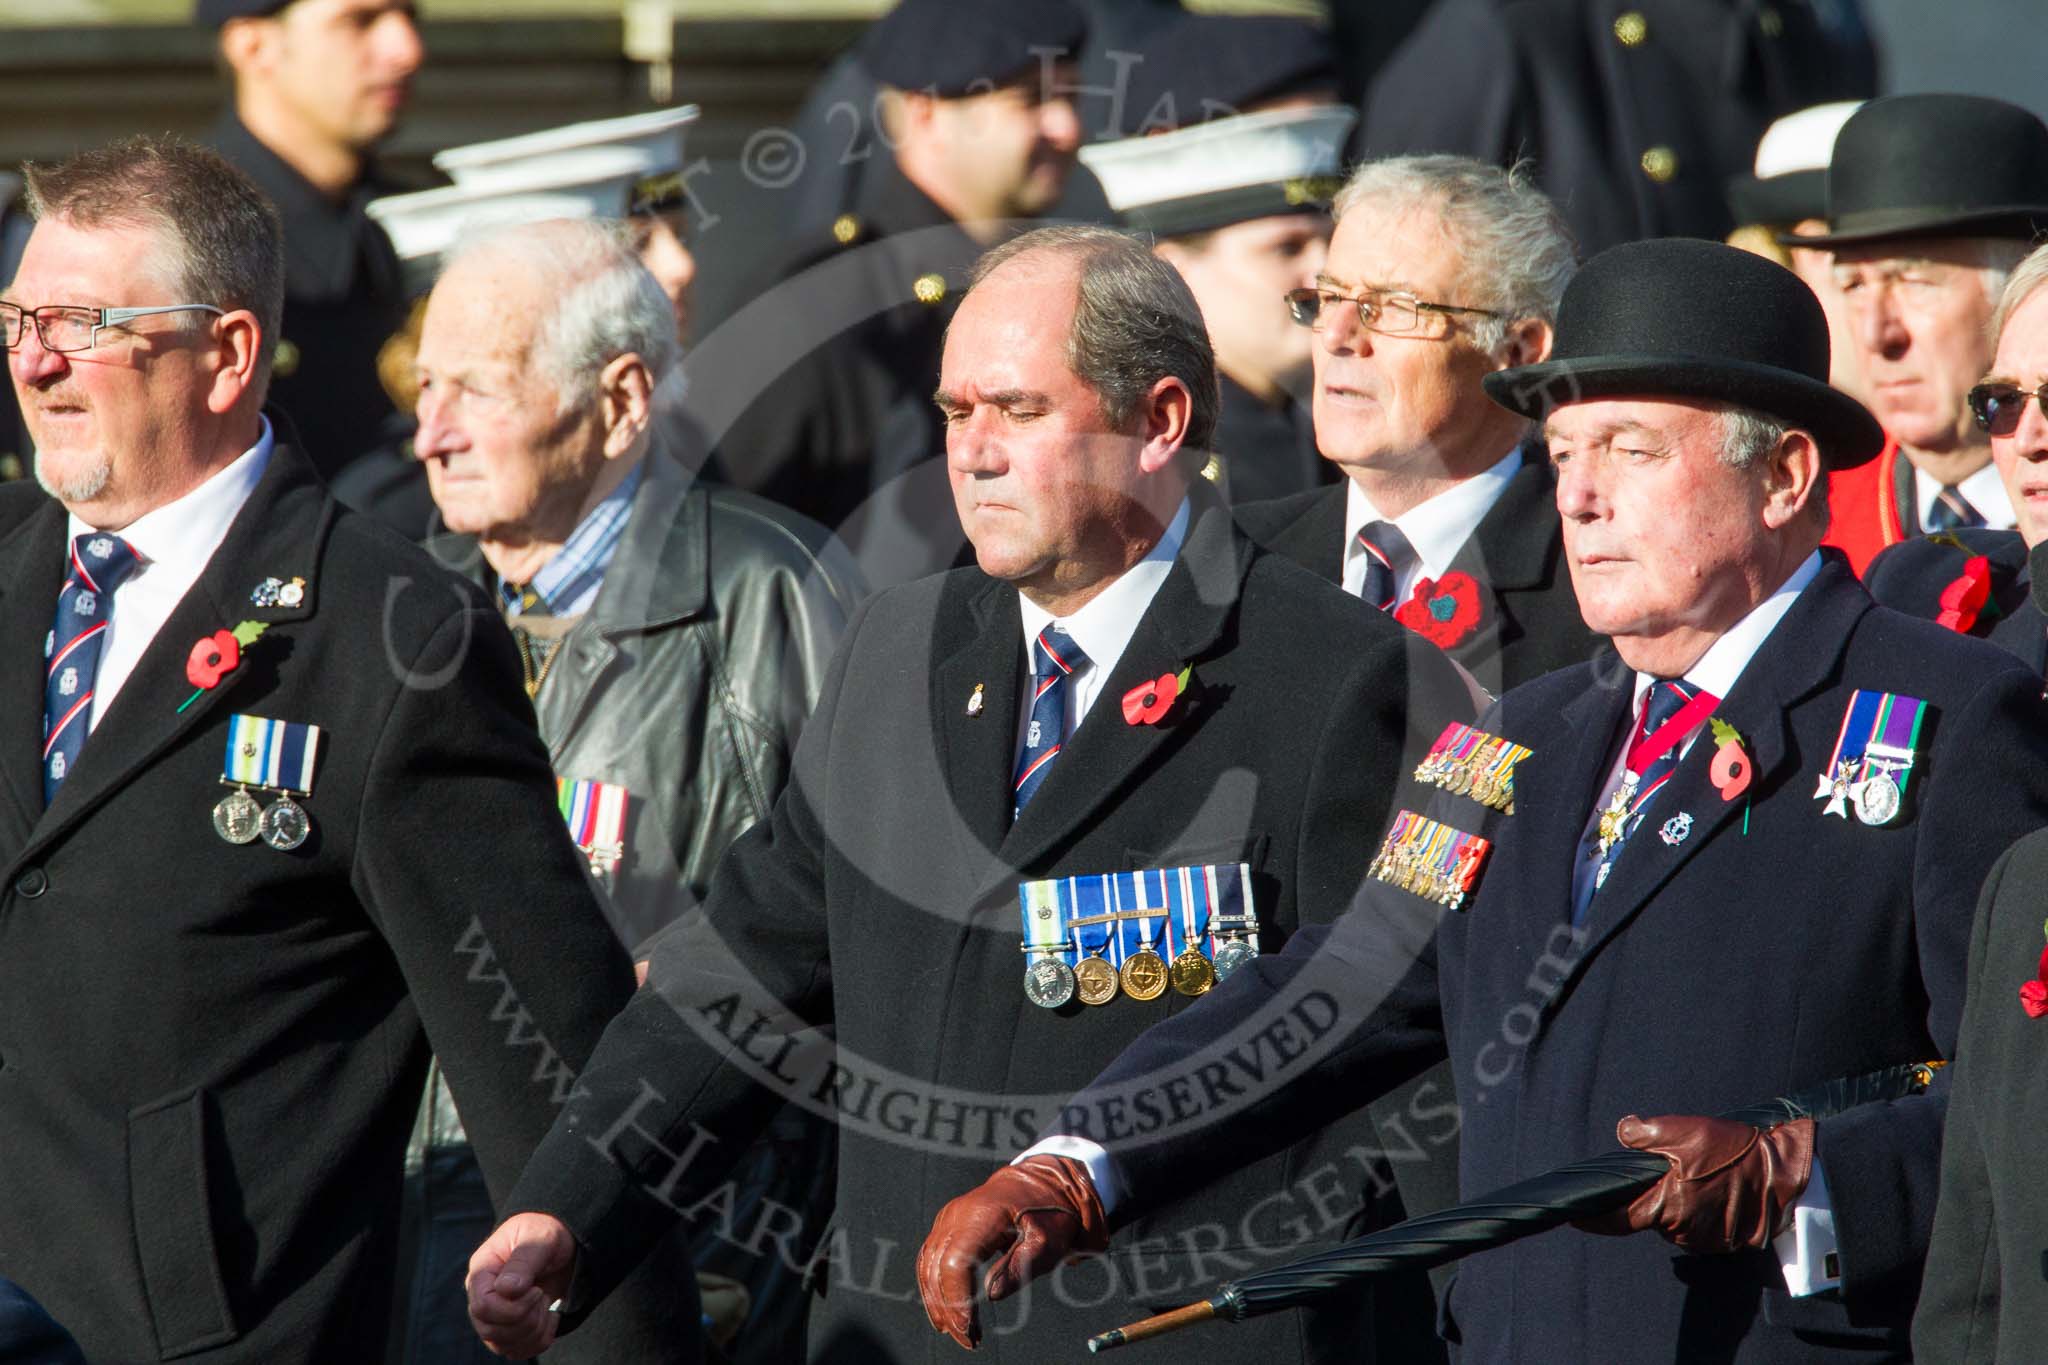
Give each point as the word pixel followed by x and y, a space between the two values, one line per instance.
pixel 1191 973
pixel 1094 980
pixel 1144 975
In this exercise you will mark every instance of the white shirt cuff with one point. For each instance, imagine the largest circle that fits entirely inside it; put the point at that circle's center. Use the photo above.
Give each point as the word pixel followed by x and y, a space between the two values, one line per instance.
pixel 1806 1249
pixel 1101 1169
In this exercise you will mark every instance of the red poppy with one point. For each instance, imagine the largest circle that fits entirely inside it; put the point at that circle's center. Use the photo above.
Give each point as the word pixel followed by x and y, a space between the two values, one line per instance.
pixel 1443 611
pixel 1963 599
pixel 1148 702
pixel 2034 994
pixel 213 658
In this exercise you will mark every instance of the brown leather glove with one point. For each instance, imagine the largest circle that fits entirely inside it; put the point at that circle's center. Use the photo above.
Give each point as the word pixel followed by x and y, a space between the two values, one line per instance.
pixel 1022 1221
pixel 1730 1186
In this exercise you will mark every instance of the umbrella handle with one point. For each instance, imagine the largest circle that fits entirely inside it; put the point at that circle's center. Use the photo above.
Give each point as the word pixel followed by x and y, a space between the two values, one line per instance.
pixel 1157 1325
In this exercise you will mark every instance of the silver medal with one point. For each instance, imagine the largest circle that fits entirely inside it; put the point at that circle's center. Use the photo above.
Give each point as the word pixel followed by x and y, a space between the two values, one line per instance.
pixel 1877 799
pixel 285 824
pixel 236 817
pixel 1232 954
pixel 1049 983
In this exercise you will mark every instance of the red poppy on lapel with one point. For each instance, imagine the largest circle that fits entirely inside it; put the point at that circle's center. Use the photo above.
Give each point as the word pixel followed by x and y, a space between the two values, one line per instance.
pixel 1148 702
pixel 1963 599
pixel 1732 767
pixel 2034 994
pixel 215 656
pixel 1443 611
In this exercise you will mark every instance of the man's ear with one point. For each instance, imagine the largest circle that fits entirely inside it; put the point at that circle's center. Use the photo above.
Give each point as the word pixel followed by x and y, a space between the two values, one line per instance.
pixel 238 344
pixel 248 45
pixel 1792 472
pixel 625 395
pixel 1528 342
pixel 1169 408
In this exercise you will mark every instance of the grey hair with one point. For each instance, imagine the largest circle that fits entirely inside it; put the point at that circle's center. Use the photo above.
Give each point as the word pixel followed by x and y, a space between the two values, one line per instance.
pixel 220 241
pixel 1747 436
pixel 609 305
pixel 1515 252
pixel 1135 323
pixel 1997 258
pixel 2029 275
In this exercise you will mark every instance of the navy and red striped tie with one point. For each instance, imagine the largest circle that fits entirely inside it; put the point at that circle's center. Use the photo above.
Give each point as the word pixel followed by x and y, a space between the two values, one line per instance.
pixel 99 564
pixel 1054 656
pixel 1387 553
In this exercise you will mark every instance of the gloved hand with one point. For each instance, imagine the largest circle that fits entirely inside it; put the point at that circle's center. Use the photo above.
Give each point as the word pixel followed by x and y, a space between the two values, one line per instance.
pixel 1024 1220
pixel 1730 1186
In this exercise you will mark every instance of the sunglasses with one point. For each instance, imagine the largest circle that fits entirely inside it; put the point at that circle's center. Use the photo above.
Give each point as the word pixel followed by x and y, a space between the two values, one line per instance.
pixel 1997 407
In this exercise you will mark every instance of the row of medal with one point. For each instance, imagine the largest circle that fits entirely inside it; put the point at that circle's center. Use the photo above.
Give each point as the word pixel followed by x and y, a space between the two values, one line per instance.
pixel 1136 933
pixel 1430 859
pixel 1873 757
pixel 1469 762
pixel 273 756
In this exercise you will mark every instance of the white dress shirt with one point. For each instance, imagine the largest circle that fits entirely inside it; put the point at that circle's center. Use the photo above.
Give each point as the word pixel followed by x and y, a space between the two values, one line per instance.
pixel 1807 1246
pixel 1438 528
pixel 172 544
pixel 1983 490
pixel 1102 628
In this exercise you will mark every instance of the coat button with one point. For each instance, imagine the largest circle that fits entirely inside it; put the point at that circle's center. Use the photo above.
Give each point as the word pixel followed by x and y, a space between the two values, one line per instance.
pixel 31 883
pixel 1630 28
pixel 1660 164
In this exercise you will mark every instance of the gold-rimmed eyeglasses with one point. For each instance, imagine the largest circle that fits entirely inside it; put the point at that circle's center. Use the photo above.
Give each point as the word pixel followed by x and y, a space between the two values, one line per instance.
pixel 1390 312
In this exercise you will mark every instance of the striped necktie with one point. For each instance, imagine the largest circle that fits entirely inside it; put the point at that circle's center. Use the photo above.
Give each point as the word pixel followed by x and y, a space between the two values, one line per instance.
pixel 1951 510
pixel 1054 656
pixel 99 564
pixel 1643 777
pixel 1387 554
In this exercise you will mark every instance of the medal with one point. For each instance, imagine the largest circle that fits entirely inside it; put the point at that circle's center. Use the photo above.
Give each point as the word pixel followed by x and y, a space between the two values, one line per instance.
pixel 1615 817
pixel 1873 758
pixel 1049 983
pixel 1423 856
pixel 236 816
pixel 1877 799
pixel 596 815
pixel 1191 973
pixel 1144 975
pixel 1095 980
pixel 285 825
pixel 1231 954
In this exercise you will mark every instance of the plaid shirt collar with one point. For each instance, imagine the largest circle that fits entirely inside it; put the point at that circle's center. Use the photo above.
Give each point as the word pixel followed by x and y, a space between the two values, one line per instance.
pixel 568 582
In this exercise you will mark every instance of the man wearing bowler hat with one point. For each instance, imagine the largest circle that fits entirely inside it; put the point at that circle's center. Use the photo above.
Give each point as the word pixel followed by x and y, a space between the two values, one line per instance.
pixel 1932 200
pixel 1733 862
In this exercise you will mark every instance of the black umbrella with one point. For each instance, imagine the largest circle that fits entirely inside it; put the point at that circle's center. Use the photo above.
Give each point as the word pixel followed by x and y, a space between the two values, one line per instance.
pixel 1582 1189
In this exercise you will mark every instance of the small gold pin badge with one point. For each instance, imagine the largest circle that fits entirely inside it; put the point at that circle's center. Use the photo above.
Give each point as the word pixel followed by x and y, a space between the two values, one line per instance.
pixel 974 702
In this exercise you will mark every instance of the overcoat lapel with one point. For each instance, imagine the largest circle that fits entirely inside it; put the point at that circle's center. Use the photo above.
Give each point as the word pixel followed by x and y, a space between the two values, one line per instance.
pixel 31 575
pixel 278 533
pixel 1185 618
pixel 1510 549
pixel 984 649
pixel 1796 660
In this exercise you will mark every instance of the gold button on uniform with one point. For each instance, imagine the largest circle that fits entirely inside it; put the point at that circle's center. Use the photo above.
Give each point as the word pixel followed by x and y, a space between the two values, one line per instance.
pixel 929 289
pixel 1770 22
pixel 284 361
pixel 1660 164
pixel 845 228
pixel 1630 27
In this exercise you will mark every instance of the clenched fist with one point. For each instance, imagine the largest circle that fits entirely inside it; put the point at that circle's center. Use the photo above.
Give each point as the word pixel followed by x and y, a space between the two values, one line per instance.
pixel 1022 1221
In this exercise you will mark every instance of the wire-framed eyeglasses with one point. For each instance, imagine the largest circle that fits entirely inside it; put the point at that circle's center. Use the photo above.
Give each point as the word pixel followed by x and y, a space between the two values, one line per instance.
pixel 66 328
pixel 1389 312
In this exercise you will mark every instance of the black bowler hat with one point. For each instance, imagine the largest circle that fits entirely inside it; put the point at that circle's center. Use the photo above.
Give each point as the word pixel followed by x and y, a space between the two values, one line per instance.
pixel 214 13
pixel 1679 318
pixel 958 47
pixel 1936 165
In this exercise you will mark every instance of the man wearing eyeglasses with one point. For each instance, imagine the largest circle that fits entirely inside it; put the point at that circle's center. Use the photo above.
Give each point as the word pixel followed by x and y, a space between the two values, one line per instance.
pixel 273 815
pixel 1977 580
pixel 1441 270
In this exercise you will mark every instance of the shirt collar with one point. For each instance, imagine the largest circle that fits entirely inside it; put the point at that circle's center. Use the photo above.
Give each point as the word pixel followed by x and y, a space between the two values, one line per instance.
pixel 183 534
pixel 569 580
pixel 1437 527
pixel 1105 626
pixel 1721 666
pixel 1983 490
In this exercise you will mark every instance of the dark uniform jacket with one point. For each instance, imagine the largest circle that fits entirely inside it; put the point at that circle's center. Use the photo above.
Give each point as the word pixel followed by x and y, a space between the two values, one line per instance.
pixel 881 900
pixel 1529 622
pixel 1634 111
pixel 1982 1299
pixel 1763 947
pixel 1913 575
pixel 212 1052
pixel 343 298
pixel 1269 450
pixel 819 393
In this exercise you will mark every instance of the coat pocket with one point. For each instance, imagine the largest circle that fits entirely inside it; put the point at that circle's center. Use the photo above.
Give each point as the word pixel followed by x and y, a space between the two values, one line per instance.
pixel 171 1204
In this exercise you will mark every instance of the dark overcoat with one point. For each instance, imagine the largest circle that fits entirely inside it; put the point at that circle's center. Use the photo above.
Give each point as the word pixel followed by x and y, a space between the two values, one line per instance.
pixel 1762 947
pixel 880 900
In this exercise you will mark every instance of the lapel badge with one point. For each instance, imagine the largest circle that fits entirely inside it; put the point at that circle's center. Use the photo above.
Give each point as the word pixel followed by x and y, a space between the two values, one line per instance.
pixel 275 592
pixel 1676 828
pixel 974 702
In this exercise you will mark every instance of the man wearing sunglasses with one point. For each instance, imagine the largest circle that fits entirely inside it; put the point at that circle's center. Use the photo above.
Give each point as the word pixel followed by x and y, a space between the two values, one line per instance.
pixel 1977 580
pixel 1441 270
